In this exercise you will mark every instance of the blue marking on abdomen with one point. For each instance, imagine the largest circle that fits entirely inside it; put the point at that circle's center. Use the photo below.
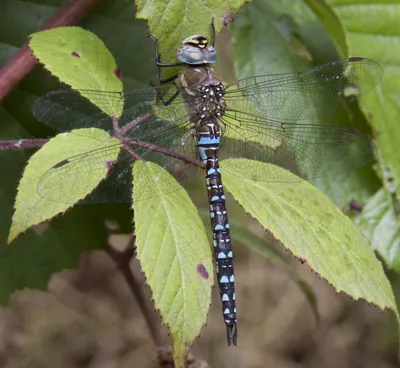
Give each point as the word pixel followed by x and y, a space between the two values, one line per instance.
pixel 202 153
pixel 208 140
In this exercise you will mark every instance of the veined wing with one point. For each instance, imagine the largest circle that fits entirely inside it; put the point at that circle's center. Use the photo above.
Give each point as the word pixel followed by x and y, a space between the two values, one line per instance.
pixel 67 109
pixel 171 153
pixel 307 150
pixel 307 94
pixel 70 177
pixel 160 134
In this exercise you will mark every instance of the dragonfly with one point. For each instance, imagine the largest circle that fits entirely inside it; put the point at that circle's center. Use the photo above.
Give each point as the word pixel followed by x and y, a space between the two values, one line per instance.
pixel 190 121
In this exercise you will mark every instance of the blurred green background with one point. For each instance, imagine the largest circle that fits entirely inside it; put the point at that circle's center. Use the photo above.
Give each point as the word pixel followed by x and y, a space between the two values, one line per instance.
pixel 89 318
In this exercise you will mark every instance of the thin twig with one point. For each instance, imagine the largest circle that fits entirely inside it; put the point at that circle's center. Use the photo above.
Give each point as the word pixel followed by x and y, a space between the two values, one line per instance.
pixel 22 144
pixel 23 61
pixel 135 123
pixel 115 123
pixel 153 324
pixel 164 151
pixel 132 154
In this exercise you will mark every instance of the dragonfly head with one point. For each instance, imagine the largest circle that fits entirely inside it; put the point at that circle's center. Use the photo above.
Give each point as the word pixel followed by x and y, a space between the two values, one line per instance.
pixel 195 50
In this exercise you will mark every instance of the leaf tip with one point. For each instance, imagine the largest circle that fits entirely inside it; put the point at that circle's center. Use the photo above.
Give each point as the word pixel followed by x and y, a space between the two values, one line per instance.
pixel 14 233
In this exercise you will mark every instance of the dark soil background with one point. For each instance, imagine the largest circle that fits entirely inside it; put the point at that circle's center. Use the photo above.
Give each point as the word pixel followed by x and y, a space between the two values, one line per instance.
pixel 89 318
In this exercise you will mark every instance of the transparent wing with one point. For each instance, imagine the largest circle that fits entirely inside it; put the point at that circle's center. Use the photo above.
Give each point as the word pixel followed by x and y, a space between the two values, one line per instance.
pixel 259 111
pixel 307 150
pixel 307 94
pixel 67 109
pixel 169 145
pixel 74 172
pixel 256 115
pixel 178 157
pixel 158 133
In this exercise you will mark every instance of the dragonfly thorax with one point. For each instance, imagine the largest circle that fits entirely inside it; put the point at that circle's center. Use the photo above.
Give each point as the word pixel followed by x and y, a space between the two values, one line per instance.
pixel 203 92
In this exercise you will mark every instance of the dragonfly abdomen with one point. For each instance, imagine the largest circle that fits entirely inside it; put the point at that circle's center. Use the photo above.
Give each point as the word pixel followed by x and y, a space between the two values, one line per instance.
pixel 208 143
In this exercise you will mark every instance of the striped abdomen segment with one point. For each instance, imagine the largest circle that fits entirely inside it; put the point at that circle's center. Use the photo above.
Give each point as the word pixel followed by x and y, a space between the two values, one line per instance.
pixel 208 142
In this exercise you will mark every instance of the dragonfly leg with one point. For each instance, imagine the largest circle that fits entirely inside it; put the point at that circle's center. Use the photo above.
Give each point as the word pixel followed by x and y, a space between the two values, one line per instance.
pixel 163 81
pixel 167 80
pixel 160 97
pixel 166 103
pixel 163 65
pixel 212 32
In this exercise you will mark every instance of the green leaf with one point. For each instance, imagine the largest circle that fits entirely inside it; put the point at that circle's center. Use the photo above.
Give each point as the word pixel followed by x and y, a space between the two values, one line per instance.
pixel 175 255
pixel 303 24
pixel 32 259
pixel 294 39
pixel 308 224
pixel 80 59
pixel 371 34
pixel 332 25
pixel 261 41
pixel 242 234
pixel 356 185
pixel 45 191
pixel 172 21
pixel 379 223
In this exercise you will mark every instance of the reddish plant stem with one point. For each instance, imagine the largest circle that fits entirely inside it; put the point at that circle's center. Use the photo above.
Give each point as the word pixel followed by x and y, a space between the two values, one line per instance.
pixel 22 144
pixel 122 259
pixel 23 61
pixel 132 154
pixel 115 123
pixel 162 150
pixel 134 123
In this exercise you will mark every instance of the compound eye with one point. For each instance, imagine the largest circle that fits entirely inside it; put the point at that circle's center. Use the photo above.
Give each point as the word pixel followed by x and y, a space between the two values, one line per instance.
pixel 195 50
pixel 196 41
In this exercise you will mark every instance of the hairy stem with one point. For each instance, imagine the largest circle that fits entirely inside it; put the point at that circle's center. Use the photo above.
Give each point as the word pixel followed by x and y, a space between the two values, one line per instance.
pixel 124 130
pixel 23 61
pixel 22 144
pixel 164 151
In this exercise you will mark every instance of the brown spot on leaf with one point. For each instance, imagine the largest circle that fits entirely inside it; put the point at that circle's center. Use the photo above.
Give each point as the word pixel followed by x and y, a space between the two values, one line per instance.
pixel 117 73
pixel 75 54
pixel 202 271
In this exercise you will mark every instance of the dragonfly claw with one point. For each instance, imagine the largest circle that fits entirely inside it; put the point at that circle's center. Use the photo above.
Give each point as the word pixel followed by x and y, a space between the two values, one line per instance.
pixel 231 334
